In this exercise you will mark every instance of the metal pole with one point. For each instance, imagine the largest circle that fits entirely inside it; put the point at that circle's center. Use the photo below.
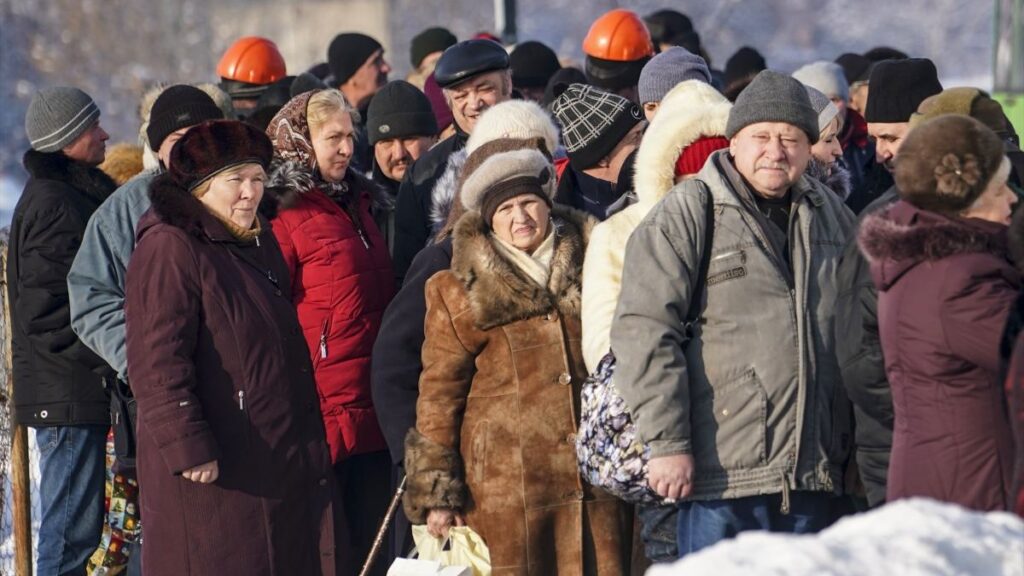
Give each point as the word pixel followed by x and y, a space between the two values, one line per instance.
pixel 383 530
pixel 505 20
pixel 20 483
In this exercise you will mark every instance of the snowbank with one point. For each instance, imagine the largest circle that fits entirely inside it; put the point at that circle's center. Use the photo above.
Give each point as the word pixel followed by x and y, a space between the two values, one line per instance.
pixel 911 538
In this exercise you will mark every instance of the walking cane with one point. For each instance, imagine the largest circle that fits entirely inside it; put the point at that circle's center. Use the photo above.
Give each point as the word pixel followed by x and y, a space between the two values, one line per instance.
pixel 383 530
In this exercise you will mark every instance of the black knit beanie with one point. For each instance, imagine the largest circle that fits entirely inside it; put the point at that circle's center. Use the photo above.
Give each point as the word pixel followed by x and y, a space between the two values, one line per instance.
pixel 533 64
pixel 898 87
pixel 431 40
pixel 399 110
pixel 744 63
pixel 347 54
pixel 177 107
pixel 613 75
pixel 856 68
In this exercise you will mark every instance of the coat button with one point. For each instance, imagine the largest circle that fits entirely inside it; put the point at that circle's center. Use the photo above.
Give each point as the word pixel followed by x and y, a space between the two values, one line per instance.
pixel 277 292
pixel 578 494
pixel 323 482
pixel 565 379
pixel 44 414
pixel 570 438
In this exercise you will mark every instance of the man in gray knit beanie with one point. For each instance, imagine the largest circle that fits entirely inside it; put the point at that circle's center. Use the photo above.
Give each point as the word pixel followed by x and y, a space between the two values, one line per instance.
pixel 58 116
pixel 663 72
pixel 751 245
pixel 59 387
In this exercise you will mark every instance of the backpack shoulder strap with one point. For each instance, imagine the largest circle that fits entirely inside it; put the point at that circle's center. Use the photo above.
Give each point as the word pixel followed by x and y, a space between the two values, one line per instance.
pixel 705 255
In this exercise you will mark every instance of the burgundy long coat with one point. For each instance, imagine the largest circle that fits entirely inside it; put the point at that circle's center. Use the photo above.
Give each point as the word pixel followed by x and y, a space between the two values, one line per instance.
pixel 220 369
pixel 945 289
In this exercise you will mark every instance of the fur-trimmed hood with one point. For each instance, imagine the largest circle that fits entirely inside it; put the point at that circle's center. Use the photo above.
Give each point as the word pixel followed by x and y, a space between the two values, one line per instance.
pixel 442 196
pixel 899 238
pixel 499 293
pixel 689 111
pixel 56 166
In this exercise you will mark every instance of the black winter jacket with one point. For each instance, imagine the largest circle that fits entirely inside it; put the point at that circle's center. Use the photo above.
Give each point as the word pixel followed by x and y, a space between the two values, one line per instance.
pixel 396 365
pixel 58 381
pixel 412 212
pixel 859 351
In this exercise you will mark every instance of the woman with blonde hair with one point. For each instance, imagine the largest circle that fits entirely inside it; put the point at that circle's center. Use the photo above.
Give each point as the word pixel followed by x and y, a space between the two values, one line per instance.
pixel 341 281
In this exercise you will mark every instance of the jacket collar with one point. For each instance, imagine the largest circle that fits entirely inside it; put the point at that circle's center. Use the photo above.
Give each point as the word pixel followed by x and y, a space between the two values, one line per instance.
pixel 56 166
pixel 498 292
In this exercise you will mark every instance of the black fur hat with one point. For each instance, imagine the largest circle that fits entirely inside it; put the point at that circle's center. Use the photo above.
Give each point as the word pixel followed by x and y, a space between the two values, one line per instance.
pixel 214 146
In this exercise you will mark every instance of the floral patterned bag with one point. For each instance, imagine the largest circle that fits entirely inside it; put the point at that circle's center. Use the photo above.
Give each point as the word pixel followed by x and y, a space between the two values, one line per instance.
pixel 609 451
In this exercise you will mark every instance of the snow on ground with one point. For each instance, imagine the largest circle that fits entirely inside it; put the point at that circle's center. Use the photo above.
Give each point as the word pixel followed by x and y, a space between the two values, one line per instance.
pixel 915 537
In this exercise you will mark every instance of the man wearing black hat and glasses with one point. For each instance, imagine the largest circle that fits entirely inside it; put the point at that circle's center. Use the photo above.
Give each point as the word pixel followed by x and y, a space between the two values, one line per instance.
pixel 474 76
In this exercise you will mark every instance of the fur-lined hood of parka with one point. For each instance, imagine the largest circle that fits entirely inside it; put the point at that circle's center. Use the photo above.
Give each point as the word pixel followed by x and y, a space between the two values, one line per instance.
pixel 499 293
pixel 903 236
pixel 689 111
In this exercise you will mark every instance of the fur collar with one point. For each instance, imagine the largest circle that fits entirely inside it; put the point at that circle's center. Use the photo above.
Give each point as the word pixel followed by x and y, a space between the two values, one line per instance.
pixel 838 180
pixel 896 239
pixel 56 166
pixel 442 196
pixel 290 179
pixel 498 292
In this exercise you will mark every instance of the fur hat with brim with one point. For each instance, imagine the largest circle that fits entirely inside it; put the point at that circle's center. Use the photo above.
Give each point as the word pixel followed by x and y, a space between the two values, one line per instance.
pixel 212 147
pixel 506 174
pixel 946 163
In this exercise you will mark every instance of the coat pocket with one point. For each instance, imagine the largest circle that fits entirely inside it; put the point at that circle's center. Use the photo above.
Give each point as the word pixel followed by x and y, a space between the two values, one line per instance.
pixel 728 425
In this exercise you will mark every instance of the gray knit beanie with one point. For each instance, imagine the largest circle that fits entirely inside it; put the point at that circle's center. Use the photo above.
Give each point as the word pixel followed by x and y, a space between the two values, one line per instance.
pixel 667 69
pixel 823 107
pixel 773 97
pixel 56 116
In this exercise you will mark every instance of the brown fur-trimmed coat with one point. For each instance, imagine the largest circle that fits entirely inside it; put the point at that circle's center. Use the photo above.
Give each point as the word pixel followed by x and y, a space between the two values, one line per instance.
pixel 499 407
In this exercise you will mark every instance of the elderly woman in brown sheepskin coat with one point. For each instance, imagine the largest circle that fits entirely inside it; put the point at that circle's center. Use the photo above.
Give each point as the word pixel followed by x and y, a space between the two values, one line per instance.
pixel 494 443
pixel 945 287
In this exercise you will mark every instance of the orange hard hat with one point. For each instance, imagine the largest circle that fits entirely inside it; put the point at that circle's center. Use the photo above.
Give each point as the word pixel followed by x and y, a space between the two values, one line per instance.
pixel 620 36
pixel 253 60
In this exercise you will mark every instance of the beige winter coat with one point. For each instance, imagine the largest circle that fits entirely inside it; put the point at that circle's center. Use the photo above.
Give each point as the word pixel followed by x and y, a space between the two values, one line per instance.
pixel 689 111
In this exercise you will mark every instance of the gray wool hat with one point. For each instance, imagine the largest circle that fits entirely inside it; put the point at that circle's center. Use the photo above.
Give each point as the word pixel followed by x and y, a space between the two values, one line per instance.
pixel 823 107
pixel 57 116
pixel 773 97
pixel 667 69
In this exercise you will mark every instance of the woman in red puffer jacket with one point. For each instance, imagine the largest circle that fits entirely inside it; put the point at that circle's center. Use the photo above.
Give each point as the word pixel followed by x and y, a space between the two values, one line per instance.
pixel 342 281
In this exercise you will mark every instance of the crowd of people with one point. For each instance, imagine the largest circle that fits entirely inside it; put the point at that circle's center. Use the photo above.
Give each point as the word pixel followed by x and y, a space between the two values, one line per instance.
pixel 300 292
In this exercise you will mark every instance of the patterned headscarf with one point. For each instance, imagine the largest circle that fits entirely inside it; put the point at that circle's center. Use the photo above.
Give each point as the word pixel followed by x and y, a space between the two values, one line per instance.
pixel 293 148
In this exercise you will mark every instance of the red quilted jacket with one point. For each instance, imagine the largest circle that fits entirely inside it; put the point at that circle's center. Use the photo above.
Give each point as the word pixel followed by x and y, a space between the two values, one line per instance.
pixel 342 281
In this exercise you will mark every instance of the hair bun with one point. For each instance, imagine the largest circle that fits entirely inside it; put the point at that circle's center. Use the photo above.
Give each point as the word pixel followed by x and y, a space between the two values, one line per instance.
pixel 955 176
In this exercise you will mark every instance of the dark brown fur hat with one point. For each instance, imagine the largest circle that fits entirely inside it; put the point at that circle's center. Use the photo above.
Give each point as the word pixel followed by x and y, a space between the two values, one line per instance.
pixel 947 162
pixel 214 146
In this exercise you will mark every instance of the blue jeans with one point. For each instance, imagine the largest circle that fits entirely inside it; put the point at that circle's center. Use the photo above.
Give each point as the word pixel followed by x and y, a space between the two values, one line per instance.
pixel 704 523
pixel 71 463
pixel 658 527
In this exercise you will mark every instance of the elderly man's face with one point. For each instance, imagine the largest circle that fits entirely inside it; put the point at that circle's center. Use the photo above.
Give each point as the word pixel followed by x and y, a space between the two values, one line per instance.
pixel 771 156
pixel 888 137
pixel 469 99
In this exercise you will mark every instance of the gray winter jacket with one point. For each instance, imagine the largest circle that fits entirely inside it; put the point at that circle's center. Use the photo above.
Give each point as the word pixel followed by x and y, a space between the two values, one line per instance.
pixel 96 279
pixel 755 395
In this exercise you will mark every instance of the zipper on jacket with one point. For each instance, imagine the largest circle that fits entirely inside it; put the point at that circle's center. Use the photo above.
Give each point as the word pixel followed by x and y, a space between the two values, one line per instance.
pixel 241 400
pixel 362 236
pixel 785 495
pixel 323 339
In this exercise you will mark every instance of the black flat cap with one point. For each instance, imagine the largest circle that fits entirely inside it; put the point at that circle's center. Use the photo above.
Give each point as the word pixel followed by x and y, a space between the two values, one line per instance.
pixel 467 59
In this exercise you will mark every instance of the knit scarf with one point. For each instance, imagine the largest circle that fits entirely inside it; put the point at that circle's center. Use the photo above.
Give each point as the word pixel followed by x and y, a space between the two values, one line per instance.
pixel 536 266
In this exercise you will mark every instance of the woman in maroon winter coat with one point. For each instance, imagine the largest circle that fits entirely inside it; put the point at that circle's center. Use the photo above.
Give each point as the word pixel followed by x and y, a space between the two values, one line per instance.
pixel 939 260
pixel 341 283
pixel 233 466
